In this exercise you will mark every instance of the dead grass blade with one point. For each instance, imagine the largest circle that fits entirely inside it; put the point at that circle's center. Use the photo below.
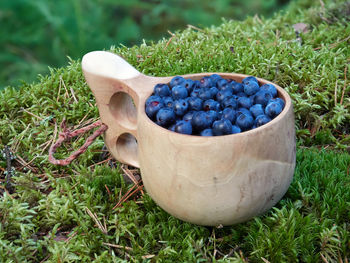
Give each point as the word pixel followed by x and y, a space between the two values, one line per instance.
pixel 97 221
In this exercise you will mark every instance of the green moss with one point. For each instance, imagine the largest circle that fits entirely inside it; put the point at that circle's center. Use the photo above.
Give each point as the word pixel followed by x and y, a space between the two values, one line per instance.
pixel 310 222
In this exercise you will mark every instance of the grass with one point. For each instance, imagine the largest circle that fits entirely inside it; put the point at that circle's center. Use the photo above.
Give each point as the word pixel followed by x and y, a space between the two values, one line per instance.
pixel 64 214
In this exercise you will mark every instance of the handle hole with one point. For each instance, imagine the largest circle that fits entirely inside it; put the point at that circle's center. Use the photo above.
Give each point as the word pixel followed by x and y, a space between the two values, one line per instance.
pixel 127 149
pixel 122 108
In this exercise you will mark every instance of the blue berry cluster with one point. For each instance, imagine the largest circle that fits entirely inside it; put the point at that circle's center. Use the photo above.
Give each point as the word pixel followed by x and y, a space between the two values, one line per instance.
pixel 213 106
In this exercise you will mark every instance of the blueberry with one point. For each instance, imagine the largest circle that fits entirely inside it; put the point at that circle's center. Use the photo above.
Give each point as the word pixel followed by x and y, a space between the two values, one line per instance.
pixel 270 88
pixel 279 100
pixel 195 103
pixel 230 102
pixel 189 84
pixel 251 87
pixel 244 102
pixel 179 92
pixel 222 127
pixel 188 116
pixel 261 120
pixel 180 107
pixel 205 94
pixel 197 84
pixel 273 109
pixel 249 79
pixel 244 121
pixel 215 78
pixel 243 111
pixel 213 91
pixel 241 94
pixel 235 129
pixel 221 83
pixel 165 117
pixel 205 82
pixel 172 127
pixel 162 90
pixel 211 105
pixel 207 132
pixel 195 92
pixel 183 127
pixel 168 102
pixel 213 115
pixel 256 110
pixel 153 107
pixel 229 114
pixel 262 97
pixel 153 98
pixel 221 95
pixel 200 121
pixel 178 80
pixel 237 87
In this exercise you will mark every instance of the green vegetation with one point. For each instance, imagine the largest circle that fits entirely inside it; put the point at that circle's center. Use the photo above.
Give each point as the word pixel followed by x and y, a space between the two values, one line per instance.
pixel 34 34
pixel 47 219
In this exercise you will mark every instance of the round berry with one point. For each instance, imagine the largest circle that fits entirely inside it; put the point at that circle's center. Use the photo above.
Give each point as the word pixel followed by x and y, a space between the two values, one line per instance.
pixel 251 87
pixel 244 102
pixel 249 79
pixel 165 117
pixel 205 82
pixel 256 110
pixel 230 102
pixel 262 97
pixel 279 100
pixel 207 132
pixel 211 105
pixel 261 120
pixel 229 114
pixel 200 121
pixel 270 88
pixel 244 121
pixel 162 90
pixel 153 107
pixel 195 103
pixel 153 98
pixel 273 109
pixel 183 127
pixel 179 92
pixel 178 80
pixel 237 87
pixel 168 102
pixel 235 129
pixel 180 107
pixel 222 127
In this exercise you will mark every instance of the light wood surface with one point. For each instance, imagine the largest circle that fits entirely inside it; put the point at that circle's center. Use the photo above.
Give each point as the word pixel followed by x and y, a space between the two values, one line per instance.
pixel 204 180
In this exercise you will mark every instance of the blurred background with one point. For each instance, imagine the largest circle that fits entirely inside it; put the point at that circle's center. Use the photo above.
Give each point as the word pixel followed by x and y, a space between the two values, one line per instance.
pixel 35 34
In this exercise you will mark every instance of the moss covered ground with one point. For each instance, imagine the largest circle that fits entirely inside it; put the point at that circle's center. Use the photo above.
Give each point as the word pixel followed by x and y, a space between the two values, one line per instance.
pixel 65 214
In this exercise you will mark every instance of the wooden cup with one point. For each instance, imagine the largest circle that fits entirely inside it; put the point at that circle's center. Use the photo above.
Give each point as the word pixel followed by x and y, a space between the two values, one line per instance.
pixel 204 180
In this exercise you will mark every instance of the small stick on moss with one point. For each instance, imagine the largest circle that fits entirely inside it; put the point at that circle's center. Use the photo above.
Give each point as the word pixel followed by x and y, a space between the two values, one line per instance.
pixel 32 114
pixel 265 260
pixel 170 39
pixel 97 221
pixel 194 27
pixel 324 259
pixel 117 246
pixel 335 92
pixel 127 195
pixel 342 95
pixel 62 83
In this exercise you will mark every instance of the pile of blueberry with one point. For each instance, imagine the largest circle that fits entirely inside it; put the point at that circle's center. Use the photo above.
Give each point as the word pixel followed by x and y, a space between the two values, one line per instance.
pixel 213 105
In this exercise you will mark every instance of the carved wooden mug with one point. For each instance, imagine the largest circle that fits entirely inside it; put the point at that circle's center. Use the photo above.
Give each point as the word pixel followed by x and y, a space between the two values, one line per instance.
pixel 204 180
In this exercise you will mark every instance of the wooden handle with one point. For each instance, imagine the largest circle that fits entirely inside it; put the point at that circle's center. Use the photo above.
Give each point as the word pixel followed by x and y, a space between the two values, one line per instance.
pixel 110 78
